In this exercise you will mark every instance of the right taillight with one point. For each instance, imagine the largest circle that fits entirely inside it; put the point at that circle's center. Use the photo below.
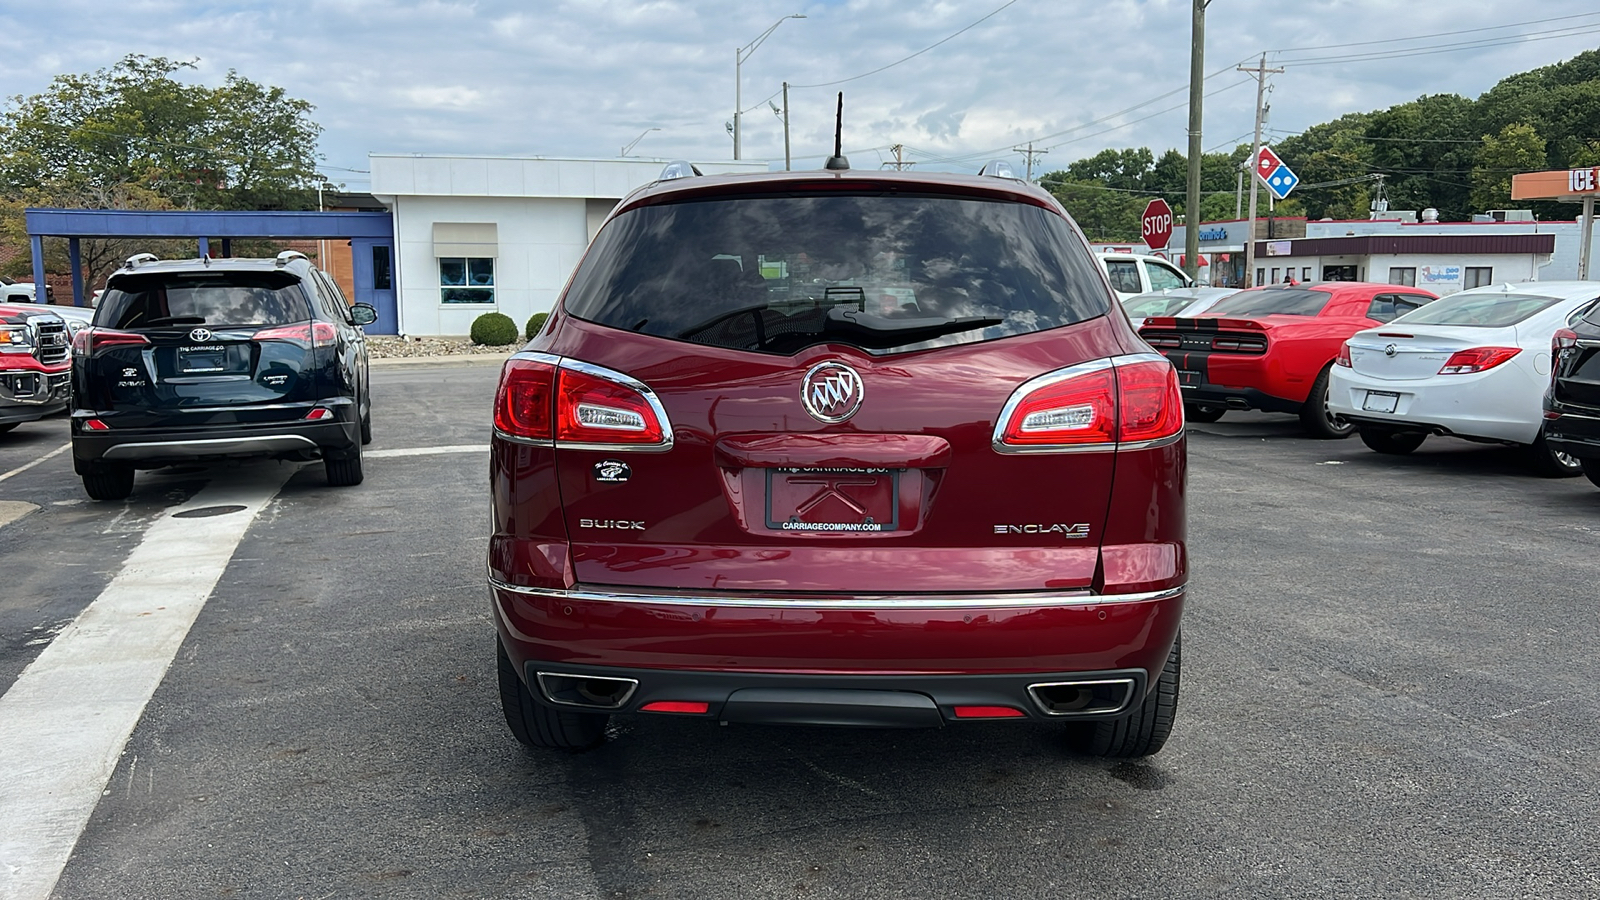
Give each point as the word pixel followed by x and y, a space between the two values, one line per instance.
pixel 574 404
pixel 1344 356
pixel 1099 405
pixel 1564 339
pixel 1477 359
pixel 90 341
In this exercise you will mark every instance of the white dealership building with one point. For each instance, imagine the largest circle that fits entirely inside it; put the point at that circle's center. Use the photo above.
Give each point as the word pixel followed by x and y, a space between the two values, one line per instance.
pixel 476 234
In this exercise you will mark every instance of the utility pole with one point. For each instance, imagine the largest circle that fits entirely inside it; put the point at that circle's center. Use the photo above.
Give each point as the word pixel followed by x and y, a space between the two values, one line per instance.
pixel 900 163
pixel 1197 79
pixel 1260 72
pixel 1030 153
pixel 788 161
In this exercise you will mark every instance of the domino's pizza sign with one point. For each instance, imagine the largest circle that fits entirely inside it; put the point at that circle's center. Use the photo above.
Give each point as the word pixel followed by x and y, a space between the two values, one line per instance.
pixel 1275 173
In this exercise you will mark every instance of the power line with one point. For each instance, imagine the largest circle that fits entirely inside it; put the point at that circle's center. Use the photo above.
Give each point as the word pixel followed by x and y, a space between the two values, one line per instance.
pixel 1418 37
pixel 1429 50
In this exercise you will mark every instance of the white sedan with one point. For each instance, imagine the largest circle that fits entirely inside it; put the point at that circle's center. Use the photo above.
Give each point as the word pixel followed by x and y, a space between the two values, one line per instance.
pixel 1473 365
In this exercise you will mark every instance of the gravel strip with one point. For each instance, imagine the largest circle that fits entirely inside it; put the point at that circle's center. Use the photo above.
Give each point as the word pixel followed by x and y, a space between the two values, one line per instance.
pixel 389 347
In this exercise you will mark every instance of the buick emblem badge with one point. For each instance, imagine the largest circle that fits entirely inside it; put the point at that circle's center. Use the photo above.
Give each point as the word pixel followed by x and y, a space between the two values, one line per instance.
pixel 200 335
pixel 1390 350
pixel 831 392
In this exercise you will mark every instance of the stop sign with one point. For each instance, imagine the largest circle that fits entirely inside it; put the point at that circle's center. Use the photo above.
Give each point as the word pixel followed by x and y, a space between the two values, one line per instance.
pixel 1155 226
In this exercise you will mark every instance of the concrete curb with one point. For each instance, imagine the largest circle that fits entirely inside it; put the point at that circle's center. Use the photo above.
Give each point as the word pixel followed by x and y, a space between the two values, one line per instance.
pixel 475 359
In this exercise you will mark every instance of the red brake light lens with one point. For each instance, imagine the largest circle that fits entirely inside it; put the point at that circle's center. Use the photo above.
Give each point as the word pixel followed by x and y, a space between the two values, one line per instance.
pixel 92 340
pixel 1138 400
pixel 1564 339
pixel 594 410
pixel 306 334
pixel 523 404
pixel 1477 359
pixel 1344 356
pixel 988 712
pixel 692 707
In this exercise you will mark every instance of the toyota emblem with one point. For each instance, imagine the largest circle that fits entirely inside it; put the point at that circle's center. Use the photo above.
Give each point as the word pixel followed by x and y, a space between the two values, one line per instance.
pixel 200 335
pixel 1390 350
pixel 831 392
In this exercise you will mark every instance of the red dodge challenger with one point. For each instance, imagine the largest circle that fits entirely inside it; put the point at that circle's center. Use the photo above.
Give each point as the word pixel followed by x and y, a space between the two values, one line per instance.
pixel 1270 348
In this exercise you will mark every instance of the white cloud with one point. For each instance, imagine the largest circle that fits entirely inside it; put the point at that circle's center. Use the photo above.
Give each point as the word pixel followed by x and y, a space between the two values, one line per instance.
pixel 584 77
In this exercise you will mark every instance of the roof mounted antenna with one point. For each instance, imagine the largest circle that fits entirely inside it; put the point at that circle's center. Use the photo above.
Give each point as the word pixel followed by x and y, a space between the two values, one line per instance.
pixel 837 160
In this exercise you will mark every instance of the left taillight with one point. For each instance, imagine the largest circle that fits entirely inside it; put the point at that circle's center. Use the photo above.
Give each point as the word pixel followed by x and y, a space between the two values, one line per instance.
pixel 1128 400
pixel 89 341
pixel 577 405
pixel 1477 359
pixel 524 403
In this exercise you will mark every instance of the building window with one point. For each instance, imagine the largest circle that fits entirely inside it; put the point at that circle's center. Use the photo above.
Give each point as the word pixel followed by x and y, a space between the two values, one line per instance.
pixel 1261 276
pixel 1305 273
pixel 1479 276
pixel 1406 275
pixel 382 280
pixel 466 279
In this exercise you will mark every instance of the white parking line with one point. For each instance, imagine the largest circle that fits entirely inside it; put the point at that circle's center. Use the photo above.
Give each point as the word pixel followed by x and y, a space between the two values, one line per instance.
pixel 67 718
pixel 427 451
pixel 23 468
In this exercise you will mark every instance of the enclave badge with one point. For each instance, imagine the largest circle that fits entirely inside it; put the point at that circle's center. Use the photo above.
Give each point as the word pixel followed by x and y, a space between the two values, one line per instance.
pixel 831 392
pixel 612 470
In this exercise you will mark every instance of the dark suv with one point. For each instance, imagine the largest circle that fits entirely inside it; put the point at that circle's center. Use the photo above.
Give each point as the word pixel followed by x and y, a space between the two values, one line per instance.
pixel 870 449
pixel 1572 404
pixel 200 358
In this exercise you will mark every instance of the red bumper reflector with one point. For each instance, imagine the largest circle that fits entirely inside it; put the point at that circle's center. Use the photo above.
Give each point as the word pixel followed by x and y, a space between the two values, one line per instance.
pixel 675 706
pixel 96 425
pixel 988 712
pixel 319 414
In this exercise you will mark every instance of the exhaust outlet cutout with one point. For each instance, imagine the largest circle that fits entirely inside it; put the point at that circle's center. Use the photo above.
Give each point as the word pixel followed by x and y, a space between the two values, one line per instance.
pixel 586 690
pixel 1096 697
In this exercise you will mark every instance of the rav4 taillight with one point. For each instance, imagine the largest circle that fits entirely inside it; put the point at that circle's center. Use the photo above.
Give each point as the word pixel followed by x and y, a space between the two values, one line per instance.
pixel 1477 359
pixel 306 334
pixel 1563 339
pixel 575 404
pixel 1344 356
pixel 597 406
pixel 1125 400
pixel 92 340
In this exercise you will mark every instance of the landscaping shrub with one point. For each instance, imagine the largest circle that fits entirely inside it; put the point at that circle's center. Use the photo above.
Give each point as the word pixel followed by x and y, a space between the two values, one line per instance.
pixel 494 330
pixel 535 322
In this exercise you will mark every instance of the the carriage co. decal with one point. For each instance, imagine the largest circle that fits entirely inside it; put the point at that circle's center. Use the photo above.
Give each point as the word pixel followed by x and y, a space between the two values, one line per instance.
pixel 612 471
pixel 831 392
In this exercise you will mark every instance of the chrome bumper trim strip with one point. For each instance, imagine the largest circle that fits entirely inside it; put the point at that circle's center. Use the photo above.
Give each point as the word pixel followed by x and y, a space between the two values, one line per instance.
pixel 1016 600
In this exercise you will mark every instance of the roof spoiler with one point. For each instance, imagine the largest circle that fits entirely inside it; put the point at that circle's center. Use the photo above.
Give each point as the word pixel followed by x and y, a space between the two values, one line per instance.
pixel 1206 324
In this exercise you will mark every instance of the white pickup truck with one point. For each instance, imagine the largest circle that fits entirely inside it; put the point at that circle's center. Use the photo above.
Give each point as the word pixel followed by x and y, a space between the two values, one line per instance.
pixel 1132 274
pixel 21 291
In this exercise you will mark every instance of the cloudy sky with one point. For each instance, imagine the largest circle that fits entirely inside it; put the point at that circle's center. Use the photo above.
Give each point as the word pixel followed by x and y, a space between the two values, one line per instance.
pixel 585 77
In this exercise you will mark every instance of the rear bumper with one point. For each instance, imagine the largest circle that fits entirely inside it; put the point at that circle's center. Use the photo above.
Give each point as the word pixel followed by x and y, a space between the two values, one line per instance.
pixel 158 446
pixel 1577 434
pixel 948 651
pixel 1238 398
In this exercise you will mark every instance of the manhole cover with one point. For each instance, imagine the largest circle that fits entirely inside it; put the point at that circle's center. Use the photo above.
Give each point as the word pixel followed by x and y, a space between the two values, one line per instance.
pixel 206 512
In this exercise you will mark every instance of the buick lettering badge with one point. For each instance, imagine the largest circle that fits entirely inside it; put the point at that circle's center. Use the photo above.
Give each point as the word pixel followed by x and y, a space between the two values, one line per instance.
pixel 831 392
pixel 200 335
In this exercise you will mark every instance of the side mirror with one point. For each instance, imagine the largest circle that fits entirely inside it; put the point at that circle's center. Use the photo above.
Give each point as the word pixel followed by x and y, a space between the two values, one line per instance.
pixel 363 314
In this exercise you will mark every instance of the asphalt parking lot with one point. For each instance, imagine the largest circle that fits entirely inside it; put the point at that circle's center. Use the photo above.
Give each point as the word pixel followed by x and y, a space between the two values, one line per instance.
pixel 1390 688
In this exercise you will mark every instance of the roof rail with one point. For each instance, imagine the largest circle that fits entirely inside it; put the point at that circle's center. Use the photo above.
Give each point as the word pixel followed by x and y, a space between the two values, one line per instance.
pixel 678 168
pixel 999 168
pixel 287 255
pixel 138 258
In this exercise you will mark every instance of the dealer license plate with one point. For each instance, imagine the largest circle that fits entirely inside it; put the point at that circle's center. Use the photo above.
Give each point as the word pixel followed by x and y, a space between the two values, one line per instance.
pixel 834 500
pixel 192 361
pixel 1381 401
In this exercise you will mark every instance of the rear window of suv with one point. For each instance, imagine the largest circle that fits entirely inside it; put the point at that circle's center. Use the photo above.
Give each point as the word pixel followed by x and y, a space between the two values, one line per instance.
pixel 884 273
pixel 161 300
pixel 1274 302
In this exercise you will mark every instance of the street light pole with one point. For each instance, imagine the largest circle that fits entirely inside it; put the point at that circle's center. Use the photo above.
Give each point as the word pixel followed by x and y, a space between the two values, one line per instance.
pixel 1191 205
pixel 739 56
pixel 635 142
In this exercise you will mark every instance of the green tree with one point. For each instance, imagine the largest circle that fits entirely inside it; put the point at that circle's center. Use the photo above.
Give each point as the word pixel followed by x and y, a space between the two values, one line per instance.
pixel 1517 148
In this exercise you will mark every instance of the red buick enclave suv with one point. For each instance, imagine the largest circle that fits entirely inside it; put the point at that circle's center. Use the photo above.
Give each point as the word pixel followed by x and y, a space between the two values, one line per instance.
pixel 839 448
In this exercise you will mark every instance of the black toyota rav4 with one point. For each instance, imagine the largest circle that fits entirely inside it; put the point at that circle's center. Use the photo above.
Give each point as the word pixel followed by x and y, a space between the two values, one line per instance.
pixel 203 358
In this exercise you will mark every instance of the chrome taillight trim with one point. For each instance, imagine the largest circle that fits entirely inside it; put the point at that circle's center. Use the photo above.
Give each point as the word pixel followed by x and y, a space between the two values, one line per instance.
pixel 1009 600
pixel 605 374
pixel 997 437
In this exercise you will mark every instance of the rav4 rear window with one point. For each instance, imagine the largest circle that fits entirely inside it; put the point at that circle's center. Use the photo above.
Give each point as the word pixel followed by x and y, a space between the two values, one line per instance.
pixel 884 273
pixel 164 300
pixel 1273 302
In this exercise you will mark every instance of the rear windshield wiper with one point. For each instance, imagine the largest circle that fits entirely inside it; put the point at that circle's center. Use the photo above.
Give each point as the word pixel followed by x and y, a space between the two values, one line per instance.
pixel 881 331
pixel 175 320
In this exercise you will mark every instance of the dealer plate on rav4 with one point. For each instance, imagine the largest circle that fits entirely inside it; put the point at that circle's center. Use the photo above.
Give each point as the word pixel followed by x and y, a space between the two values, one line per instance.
pixel 833 499
pixel 207 360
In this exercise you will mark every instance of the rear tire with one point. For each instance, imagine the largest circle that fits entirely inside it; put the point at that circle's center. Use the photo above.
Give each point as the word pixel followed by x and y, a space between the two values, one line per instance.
pixel 1390 441
pixel 108 481
pixel 1550 463
pixel 1591 471
pixel 366 421
pixel 1317 419
pixel 536 725
pixel 1145 730
pixel 1202 414
pixel 344 472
